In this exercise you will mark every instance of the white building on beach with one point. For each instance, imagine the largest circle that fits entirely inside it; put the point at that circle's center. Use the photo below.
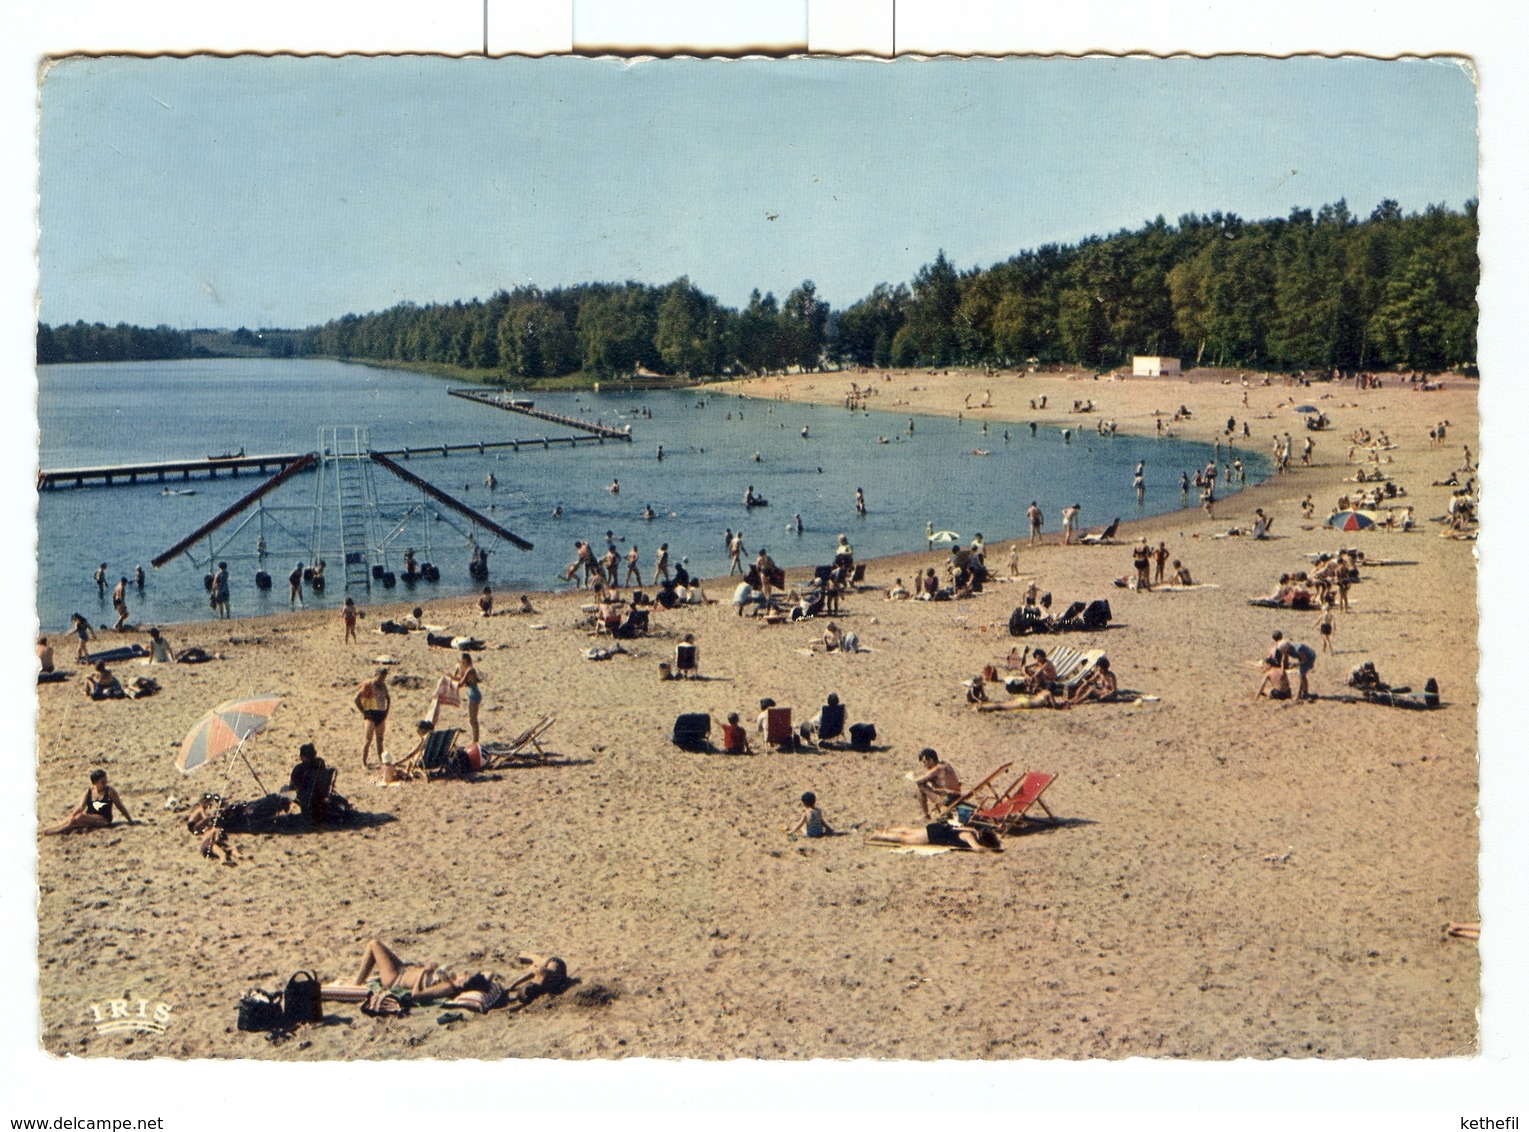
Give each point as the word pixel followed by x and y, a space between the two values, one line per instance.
pixel 1143 366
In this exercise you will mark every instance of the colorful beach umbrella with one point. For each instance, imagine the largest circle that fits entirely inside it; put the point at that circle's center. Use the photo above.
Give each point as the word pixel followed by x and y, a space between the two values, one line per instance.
pixel 944 536
pixel 1350 521
pixel 222 731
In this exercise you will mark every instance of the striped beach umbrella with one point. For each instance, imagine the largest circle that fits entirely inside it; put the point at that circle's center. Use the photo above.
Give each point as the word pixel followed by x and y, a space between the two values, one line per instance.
pixel 1350 521
pixel 223 730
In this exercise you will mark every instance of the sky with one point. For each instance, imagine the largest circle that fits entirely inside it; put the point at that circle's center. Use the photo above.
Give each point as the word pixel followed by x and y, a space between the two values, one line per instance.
pixel 268 192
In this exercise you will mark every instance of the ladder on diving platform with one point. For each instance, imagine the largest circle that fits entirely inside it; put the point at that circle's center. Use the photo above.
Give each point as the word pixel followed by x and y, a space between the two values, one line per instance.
pixel 346 484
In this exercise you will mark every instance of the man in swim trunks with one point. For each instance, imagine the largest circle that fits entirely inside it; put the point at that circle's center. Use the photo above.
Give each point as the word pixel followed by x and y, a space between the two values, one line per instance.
pixel 373 701
pixel 938 784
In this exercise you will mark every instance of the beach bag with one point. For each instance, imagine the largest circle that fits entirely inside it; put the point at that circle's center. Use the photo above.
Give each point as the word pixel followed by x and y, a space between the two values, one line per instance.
pixel 1097 615
pixel 691 730
pixel 300 1001
pixel 446 693
pixel 385 1004
pixel 260 1011
pixel 861 736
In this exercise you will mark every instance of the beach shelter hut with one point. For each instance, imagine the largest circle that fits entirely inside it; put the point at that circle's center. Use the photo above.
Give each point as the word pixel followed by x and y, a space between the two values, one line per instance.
pixel 1143 365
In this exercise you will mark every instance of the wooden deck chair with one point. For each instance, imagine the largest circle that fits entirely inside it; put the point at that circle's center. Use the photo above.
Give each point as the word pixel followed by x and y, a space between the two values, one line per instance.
pixel 524 748
pixel 858 576
pixel 438 759
pixel 984 793
pixel 1065 659
pixel 686 659
pixel 1008 813
pixel 778 731
pixel 1086 664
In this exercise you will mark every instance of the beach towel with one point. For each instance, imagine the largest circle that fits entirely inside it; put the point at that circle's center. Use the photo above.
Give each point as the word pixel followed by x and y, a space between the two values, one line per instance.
pixel 480 1000
pixel 922 850
pixel 122 652
pixel 446 693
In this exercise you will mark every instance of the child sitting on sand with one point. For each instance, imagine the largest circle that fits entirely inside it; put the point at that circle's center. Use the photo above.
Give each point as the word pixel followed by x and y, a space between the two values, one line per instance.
pixel 735 740
pixel 811 823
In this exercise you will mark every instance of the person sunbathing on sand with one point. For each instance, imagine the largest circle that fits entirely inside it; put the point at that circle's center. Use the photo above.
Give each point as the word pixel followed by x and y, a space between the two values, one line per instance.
pixel 939 783
pixel 422 980
pixel 100 684
pixel 95 808
pixel 1276 683
pixel 1098 684
pixel 941 834
pixel 1025 701
pixel 1039 673
pixel 547 975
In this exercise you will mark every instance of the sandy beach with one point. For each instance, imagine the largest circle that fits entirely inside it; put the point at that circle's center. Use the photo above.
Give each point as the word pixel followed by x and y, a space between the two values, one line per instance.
pixel 1230 878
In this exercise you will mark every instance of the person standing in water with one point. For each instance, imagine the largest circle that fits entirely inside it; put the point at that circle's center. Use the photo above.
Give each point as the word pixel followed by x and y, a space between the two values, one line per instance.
pixel 119 602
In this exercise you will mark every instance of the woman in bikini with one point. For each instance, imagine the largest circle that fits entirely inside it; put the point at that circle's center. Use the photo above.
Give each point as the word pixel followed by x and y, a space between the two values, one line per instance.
pixel 95 809
pixel 466 680
pixel 422 980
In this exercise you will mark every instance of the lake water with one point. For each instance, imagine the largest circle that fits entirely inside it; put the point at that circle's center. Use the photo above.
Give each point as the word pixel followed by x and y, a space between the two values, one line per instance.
pixel 109 414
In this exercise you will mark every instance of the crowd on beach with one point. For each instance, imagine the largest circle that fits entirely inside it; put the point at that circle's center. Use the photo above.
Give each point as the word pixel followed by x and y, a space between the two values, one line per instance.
pixel 828 595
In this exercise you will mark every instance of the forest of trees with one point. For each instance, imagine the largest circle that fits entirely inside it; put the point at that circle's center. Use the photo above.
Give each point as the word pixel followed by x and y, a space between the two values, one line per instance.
pixel 1309 291
pixel 97 342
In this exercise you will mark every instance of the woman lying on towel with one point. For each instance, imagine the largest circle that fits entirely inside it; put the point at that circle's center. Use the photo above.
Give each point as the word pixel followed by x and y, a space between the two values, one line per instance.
pixel 1025 701
pixel 940 834
pixel 422 980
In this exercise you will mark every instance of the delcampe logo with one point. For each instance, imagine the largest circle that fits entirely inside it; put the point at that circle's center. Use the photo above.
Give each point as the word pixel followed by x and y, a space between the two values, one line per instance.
pixel 139 1015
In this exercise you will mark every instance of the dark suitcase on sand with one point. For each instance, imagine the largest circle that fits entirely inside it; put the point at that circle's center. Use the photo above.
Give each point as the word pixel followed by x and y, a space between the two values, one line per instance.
pixel 861 736
pixel 691 730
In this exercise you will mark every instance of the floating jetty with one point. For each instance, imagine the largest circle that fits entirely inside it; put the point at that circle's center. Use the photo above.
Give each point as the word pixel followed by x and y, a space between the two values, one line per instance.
pixel 483 446
pixel 501 399
pixel 161 471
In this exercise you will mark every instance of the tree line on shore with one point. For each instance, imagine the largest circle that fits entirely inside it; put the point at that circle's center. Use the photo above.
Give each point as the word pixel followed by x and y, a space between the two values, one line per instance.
pixel 1310 291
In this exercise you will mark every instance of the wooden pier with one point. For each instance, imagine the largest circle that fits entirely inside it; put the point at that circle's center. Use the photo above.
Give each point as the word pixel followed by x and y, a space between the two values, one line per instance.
pixel 501 399
pixel 165 470
pixel 484 446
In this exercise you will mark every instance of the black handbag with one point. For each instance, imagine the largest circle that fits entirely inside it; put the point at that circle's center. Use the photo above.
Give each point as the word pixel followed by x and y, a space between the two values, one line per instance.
pixel 301 1002
pixel 260 1011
